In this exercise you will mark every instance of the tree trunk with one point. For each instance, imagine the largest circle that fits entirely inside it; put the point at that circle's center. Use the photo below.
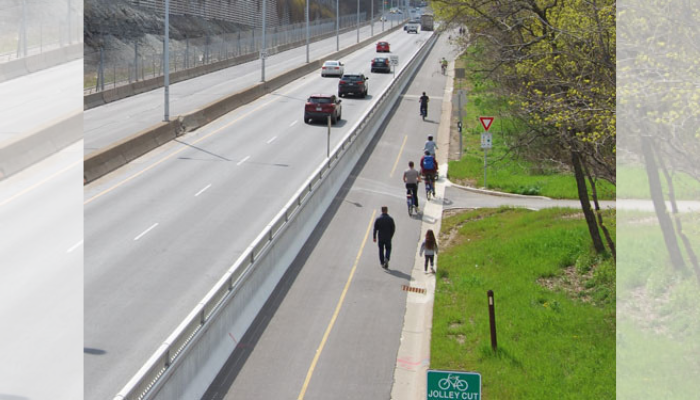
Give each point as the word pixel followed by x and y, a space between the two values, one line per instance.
pixel 679 224
pixel 657 197
pixel 586 204
pixel 599 214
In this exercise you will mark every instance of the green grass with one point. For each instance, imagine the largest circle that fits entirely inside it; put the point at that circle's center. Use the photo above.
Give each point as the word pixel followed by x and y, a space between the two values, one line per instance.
pixel 506 172
pixel 552 344
pixel 659 319
pixel 633 184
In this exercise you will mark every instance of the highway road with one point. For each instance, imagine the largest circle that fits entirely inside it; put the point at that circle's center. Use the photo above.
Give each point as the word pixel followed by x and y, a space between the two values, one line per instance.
pixel 107 124
pixel 36 100
pixel 41 289
pixel 162 230
pixel 333 329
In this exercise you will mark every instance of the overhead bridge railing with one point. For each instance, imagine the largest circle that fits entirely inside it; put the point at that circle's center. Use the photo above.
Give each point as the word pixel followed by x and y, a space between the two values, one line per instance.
pixel 188 361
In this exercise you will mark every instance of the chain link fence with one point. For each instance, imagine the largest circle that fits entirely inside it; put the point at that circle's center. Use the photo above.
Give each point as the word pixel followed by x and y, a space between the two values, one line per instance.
pixel 32 27
pixel 120 63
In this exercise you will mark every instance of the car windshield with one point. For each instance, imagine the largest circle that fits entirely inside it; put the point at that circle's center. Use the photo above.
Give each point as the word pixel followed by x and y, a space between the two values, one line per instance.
pixel 380 60
pixel 331 63
pixel 351 78
pixel 320 100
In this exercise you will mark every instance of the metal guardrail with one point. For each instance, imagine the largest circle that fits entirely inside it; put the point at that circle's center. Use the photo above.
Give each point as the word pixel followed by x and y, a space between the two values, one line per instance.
pixel 141 386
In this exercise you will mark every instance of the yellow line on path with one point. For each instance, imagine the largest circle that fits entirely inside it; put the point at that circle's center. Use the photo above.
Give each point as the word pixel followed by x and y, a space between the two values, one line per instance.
pixel 335 314
pixel 398 157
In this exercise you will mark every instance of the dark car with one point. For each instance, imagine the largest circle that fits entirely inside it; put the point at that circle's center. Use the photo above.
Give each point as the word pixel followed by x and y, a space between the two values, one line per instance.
pixel 320 106
pixel 381 64
pixel 355 84
pixel 383 47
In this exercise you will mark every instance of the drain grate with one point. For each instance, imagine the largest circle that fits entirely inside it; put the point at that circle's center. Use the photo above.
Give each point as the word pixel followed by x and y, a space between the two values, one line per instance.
pixel 407 288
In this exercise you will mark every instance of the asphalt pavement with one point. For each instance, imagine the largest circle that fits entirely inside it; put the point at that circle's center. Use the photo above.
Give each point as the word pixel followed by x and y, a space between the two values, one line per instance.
pixel 37 100
pixel 41 265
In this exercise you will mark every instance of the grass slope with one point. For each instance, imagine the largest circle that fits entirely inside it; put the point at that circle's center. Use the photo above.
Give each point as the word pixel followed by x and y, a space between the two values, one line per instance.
pixel 554 343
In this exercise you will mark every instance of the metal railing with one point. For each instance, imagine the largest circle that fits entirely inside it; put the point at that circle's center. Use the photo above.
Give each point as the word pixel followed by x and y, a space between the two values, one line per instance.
pixel 141 386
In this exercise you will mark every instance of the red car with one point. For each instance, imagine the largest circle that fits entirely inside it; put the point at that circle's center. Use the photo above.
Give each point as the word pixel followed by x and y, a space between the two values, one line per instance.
pixel 321 106
pixel 383 47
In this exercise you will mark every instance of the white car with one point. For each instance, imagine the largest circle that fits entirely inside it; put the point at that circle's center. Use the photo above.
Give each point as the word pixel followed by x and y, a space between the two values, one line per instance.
pixel 332 68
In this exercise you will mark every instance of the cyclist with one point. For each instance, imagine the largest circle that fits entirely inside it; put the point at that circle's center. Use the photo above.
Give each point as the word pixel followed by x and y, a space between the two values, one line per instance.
pixel 411 178
pixel 430 146
pixel 443 65
pixel 429 169
pixel 423 100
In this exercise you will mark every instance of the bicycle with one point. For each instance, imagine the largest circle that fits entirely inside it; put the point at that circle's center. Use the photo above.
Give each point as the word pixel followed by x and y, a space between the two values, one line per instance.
pixel 429 186
pixel 409 202
pixel 424 112
pixel 454 381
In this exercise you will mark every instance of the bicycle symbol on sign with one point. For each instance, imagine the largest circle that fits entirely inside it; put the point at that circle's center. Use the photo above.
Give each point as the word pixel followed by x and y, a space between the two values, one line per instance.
pixel 454 381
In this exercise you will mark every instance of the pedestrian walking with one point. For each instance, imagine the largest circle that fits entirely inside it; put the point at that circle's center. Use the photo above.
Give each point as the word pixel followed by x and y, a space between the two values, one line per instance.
pixel 411 177
pixel 430 248
pixel 383 232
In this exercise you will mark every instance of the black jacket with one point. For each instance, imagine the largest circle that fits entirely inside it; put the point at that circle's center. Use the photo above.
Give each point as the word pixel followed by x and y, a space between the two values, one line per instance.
pixel 384 225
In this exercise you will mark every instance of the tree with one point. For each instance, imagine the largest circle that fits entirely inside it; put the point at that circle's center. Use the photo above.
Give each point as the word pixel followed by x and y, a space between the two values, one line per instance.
pixel 555 61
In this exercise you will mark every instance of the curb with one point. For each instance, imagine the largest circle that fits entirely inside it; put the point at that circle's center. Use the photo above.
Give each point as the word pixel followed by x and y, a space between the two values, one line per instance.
pixel 495 193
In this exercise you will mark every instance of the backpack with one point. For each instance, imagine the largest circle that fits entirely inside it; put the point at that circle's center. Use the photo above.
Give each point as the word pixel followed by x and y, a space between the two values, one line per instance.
pixel 429 163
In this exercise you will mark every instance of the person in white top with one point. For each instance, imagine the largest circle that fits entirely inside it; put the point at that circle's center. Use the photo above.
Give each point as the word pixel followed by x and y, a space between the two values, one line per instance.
pixel 430 146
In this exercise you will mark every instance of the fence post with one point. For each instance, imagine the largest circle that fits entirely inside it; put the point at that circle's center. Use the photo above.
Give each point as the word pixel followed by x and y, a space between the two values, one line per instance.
pixel 101 71
pixel 492 320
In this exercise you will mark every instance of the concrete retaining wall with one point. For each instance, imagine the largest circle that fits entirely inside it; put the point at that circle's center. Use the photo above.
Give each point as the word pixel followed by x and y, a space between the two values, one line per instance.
pixel 24 66
pixel 112 157
pixel 32 147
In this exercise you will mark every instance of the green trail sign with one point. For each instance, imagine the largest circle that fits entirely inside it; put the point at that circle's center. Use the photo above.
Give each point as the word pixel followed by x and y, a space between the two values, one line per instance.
pixel 455 385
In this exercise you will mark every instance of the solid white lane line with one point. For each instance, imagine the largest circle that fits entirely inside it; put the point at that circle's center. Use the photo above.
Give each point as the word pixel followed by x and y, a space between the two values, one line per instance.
pixel 146 231
pixel 293 123
pixel 243 160
pixel 75 246
pixel 272 140
pixel 202 191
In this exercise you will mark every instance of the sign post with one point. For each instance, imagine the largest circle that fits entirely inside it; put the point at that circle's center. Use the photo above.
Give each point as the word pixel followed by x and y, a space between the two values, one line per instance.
pixel 453 385
pixel 486 144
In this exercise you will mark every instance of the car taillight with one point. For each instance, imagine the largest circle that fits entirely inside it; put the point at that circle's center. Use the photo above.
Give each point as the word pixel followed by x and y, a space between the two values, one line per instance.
pixel 360 82
pixel 342 82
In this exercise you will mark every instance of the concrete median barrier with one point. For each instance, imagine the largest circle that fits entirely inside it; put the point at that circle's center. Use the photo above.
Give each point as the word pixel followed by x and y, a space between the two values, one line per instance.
pixel 37 62
pixel 99 163
pixel 118 154
pixel 30 148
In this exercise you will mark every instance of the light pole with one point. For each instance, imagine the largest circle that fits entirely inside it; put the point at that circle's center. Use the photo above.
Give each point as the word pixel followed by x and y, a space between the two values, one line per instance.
pixel 307 31
pixel 337 26
pixel 263 49
pixel 371 18
pixel 358 21
pixel 166 62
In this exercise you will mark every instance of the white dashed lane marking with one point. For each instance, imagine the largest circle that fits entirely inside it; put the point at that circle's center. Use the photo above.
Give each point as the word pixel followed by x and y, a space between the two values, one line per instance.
pixel 146 231
pixel 202 191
